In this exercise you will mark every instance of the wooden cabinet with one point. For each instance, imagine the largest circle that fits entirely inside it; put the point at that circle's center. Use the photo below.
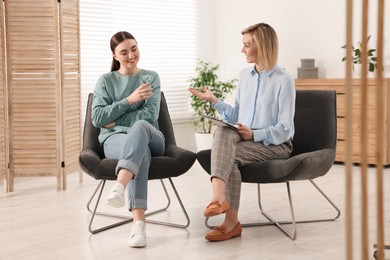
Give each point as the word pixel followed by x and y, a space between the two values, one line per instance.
pixel 339 86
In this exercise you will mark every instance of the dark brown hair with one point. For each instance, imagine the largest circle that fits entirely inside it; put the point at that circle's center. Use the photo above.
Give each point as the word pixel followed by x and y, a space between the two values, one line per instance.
pixel 116 39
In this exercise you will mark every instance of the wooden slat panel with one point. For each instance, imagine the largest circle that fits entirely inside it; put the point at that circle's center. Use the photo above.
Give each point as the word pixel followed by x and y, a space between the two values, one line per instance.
pixel 43 88
pixel 3 102
pixel 34 89
pixel 71 97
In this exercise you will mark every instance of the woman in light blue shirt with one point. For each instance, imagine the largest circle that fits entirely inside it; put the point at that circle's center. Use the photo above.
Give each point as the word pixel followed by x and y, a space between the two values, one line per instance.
pixel 263 112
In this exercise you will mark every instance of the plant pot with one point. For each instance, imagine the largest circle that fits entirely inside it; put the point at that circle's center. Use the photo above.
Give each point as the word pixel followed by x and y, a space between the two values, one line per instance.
pixel 357 72
pixel 203 141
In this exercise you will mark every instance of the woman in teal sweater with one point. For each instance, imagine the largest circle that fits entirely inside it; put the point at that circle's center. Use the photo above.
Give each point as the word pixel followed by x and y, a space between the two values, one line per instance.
pixel 126 106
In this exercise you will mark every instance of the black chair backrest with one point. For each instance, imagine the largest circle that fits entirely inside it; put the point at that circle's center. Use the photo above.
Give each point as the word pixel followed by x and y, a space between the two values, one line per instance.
pixel 91 133
pixel 165 122
pixel 315 121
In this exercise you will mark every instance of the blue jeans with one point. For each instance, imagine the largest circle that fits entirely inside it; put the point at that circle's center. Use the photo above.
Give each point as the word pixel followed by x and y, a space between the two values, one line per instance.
pixel 134 151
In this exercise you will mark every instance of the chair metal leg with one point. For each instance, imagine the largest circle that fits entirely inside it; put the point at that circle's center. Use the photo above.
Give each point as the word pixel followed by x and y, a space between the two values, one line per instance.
pixel 127 219
pixel 293 233
pixel 376 252
pixel 187 223
pixel 100 188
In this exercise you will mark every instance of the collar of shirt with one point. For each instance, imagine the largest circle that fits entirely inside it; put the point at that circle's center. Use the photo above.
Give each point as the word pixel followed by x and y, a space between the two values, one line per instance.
pixel 264 73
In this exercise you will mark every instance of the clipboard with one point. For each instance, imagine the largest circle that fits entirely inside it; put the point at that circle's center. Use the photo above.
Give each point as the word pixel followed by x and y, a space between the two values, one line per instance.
pixel 220 122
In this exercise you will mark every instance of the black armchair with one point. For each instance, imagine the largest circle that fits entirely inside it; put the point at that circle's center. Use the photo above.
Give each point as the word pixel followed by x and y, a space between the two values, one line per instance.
pixel 175 162
pixel 314 150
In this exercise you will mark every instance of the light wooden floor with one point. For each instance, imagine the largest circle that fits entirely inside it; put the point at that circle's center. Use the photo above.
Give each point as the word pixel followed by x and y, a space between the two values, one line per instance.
pixel 38 222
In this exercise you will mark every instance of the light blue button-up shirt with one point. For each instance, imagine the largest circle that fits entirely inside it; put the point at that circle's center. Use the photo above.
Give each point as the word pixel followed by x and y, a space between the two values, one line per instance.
pixel 265 102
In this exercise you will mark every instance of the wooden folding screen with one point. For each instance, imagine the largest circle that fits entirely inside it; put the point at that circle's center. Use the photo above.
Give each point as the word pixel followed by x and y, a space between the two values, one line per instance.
pixel 3 98
pixel 382 106
pixel 71 92
pixel 43 72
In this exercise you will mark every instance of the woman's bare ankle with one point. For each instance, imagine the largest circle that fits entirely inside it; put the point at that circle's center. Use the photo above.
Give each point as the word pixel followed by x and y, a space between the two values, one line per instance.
pixel 230 224
pixel 218 199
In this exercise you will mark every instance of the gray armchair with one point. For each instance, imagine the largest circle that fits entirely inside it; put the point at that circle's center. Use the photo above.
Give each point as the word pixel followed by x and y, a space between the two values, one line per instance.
pixel 175 162
pixel 314 150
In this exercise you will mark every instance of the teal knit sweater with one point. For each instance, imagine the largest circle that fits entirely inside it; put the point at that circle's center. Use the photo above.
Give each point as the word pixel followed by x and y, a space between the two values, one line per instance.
pixel 110 104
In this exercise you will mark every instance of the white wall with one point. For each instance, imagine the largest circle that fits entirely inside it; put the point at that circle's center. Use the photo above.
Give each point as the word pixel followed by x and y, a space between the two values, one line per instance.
pixel 207 34
pixel 306 29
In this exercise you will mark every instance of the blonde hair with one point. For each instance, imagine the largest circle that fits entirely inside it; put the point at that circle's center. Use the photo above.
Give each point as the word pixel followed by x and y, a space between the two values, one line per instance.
pixel 266 41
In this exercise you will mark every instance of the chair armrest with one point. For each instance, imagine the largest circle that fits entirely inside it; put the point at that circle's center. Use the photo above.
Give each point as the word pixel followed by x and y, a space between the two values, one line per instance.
pixel 89 159
pixel 176 152
pixel 184 158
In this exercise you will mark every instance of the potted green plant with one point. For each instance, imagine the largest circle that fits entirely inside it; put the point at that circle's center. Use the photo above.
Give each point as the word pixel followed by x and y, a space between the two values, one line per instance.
pixel 206 75
pixel 357 56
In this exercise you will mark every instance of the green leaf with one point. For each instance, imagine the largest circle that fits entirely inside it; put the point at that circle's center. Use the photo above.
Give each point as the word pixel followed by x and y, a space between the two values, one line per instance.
pixel 370 52
pixel 207 75
pixel 371 67
pixel 356 55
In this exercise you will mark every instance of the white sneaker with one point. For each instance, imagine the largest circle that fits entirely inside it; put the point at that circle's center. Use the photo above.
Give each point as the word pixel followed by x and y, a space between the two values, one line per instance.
pixel 137 236
pixel 116 197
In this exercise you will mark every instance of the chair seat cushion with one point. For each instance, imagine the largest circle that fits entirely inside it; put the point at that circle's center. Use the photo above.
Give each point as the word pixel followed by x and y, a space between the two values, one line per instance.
pixel 175 162
pixel 303 166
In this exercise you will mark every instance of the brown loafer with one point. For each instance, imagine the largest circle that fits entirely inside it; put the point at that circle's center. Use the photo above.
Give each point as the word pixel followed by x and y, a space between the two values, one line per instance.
pixel 215 208
pixel 219 233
